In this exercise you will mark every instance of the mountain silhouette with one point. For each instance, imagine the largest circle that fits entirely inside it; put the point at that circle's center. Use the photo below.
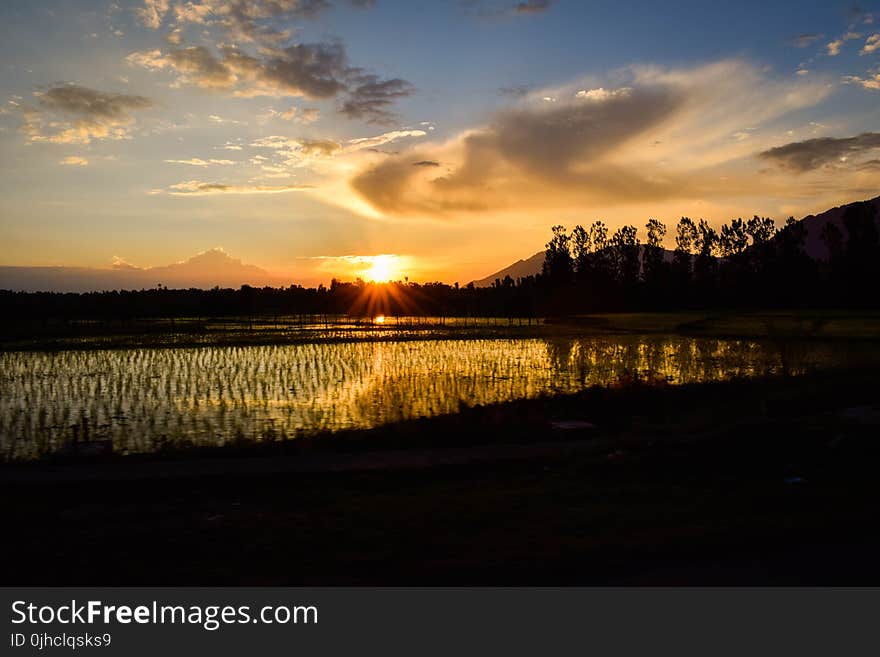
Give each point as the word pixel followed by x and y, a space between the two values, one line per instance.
pixel 815 224
pixel 207 269
pixel 519 269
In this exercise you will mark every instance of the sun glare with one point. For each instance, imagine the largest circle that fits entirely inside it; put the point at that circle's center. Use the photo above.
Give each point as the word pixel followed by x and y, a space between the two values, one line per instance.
pixel 380 319
pixel 382 269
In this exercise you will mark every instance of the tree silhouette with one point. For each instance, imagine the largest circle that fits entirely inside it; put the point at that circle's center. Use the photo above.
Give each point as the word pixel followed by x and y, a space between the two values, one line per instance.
pixel 653 265
pixel 862 252
pixel 558 265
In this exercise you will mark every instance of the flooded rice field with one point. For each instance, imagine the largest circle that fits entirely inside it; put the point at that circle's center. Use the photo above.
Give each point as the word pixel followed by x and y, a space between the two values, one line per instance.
pixel 144 400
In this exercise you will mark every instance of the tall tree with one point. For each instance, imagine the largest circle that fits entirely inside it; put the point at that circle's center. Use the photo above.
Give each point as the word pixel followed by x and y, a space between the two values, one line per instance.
pixel 734 239
pixel 558 264
pixel 653 257
pixel 625 245
pixel 581 247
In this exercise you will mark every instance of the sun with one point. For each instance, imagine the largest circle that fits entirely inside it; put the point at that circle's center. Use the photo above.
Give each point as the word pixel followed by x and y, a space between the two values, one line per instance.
pixel 382 269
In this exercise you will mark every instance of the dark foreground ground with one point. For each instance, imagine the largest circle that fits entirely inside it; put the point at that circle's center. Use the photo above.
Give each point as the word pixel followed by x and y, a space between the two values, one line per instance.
pixel 770 482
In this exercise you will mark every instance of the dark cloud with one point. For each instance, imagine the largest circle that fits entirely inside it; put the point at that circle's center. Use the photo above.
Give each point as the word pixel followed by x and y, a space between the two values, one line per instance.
pixel 804 40
pixel 318 147
pixel 316 70
pixel 200 63
pixel 312 70
pixel 813 154
pixel 71 114
pixel 275 67
pixel 500 8
pixel 371 97
pixel 426 163
pixel 256 20
pixel 531 6
pixel 525 149
pixel 91 103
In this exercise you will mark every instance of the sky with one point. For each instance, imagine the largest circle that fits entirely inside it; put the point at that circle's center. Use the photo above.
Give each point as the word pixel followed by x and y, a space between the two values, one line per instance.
pixel 310 137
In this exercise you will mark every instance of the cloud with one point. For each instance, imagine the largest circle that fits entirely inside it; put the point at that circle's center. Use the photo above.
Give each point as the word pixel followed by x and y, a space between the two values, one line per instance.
pixel 528 144
pixel 153 12
pixel 194 66
pixel 198 162
pixel 298 115
pixel 870 82
pixel 385 138
pixel 74 160
pixel 214 118
pixel 598 95
pixel 174 37
pixel 426 163
pixel 323 148
pixel 318 147
pixel 245 20
pixel 72 114
pixel 371 97
pixel 311 70
pixel 300 147
pixel 200 188
pixel 872 43
pixel 666 134
pixel 500 8
pixel 276 67
pixel 804 40
pixel 833 48
pixel 813 154
pixel 531 6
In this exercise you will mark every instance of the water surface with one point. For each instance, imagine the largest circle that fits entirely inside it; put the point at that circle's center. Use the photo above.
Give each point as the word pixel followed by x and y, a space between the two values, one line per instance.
pixel 144 399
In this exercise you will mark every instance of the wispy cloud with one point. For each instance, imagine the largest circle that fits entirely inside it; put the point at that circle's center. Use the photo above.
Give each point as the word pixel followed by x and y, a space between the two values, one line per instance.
pixel 804 40
pixel 531 6
pixel 201 188
pixel 74 160
pixel 198 162
pixel 300 116
pixel 501 8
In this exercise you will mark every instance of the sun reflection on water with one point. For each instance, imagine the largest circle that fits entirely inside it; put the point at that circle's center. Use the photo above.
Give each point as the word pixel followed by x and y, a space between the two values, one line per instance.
pixel 145 399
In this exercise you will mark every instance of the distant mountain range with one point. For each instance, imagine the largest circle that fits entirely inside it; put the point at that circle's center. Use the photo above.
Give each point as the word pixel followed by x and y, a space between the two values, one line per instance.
pixel 208 269
pixel 814 245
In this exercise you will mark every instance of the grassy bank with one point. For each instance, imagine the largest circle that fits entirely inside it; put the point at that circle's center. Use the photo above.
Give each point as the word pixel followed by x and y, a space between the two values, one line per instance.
pixel 760 482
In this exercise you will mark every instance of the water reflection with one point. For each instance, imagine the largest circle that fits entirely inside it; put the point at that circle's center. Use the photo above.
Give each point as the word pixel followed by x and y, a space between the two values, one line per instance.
pixel 144 399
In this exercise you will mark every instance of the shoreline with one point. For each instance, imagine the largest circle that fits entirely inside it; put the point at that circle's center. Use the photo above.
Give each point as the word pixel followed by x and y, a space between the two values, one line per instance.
pixel 721 490
pixel 803 324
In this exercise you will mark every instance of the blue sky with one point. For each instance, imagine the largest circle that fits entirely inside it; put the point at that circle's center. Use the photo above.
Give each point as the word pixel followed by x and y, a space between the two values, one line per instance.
pixel 154 129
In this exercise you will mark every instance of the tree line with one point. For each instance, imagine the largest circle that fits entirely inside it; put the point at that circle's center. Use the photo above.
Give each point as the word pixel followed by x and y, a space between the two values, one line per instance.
pixel 744 263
